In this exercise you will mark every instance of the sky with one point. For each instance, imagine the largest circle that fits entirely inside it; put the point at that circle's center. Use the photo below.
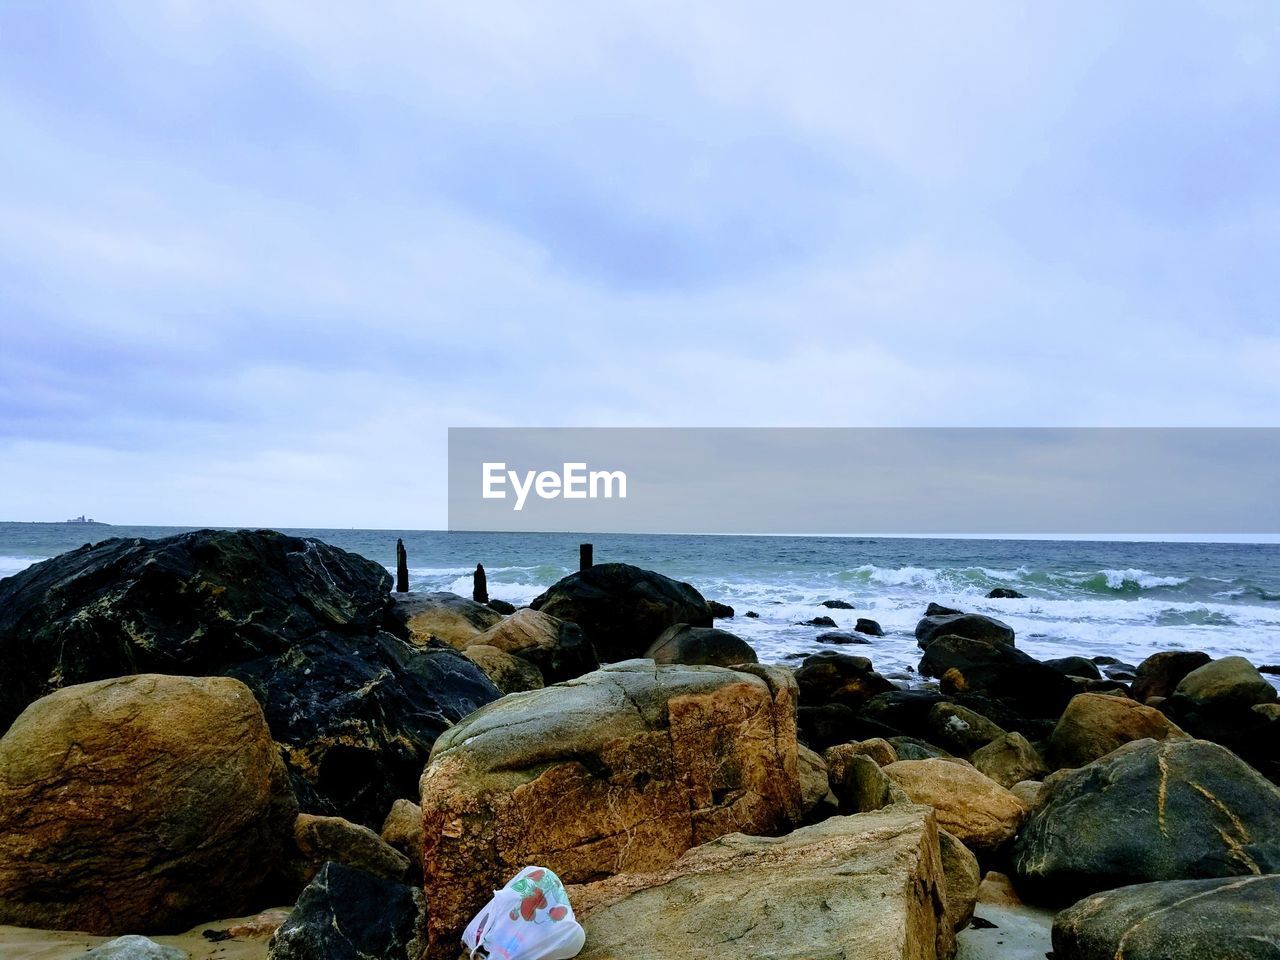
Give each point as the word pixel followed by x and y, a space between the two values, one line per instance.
pixel 257 257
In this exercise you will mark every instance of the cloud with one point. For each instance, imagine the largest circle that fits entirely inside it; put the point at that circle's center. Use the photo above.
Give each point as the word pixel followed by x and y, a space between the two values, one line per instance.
pixel 248 249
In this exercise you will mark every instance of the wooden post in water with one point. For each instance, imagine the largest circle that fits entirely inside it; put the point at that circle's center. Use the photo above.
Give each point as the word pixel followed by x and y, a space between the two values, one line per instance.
pixel 480 586
pixel 584 556
pixel 402 567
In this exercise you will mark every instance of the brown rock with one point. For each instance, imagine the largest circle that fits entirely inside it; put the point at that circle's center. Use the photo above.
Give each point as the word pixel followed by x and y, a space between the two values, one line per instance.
pixel 619 770
pixel 556 647
pixel 321 839
pixel 859 783
pixel 1094 724
pixel 960 868
pixel 139 804
pixel 1160 674
pixel 870 887
pixel 261 927
pixel 982 814
pixel 403 830
pixel 509 673
pixel 1030 793
pixel 877 748
pixel 997 889
pixel 1010 760
pixel 451 618
pixel 816 798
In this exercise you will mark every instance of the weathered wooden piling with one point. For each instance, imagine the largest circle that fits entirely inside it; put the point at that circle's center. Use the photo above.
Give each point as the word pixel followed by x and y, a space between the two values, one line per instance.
pixel 480 586
pixel 402 567
pixel 584 556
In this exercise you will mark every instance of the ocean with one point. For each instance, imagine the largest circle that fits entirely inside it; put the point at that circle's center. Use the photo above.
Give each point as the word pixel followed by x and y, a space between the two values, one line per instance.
pixel 1125 599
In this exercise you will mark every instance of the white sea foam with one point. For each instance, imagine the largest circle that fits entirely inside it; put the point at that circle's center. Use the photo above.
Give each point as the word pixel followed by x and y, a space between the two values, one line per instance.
pixel 1118 579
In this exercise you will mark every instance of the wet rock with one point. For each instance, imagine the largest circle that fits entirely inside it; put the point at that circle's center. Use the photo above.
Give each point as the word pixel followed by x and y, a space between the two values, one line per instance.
pixel 622 609
pixel 1094 724
pixel 313 631
pixel 1220 919
pixel 446 616
pixel 831 677
pixel 841 637
pixel 968 666
pixel 981 813
pixel 837 604
pixel 165 791
pixel 869 627
pixel 1160 674
pixel 1010 759
pixel 1169 810
pixel 700 645
pixel 556 647
pixel 1075 667
pixel 824 726
pixel 938 610
pixel 818 622
pixel 1004 593
pixel 320 839
pixel 346 914
pixel 972 625
pixel 870 886
pixel 752 614
pixel 650 759
pixel 720 611
pixel 501 606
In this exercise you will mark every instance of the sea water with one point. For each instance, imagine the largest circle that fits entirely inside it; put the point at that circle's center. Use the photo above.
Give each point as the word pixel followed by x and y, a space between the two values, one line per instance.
pixel 1125 599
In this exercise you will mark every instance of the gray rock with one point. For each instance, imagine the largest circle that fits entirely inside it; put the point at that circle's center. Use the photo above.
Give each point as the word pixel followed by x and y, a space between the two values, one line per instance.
pixel 1229 682
pixel 1227 919
pixel 682 643
pixel 134 947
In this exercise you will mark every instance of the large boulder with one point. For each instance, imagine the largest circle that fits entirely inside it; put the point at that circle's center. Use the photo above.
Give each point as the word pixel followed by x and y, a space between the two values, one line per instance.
pixel 966 665
pixel 975 626
pixel 619 770
pixel 507 672
pixel 139 804
pixel 682 643
pixel 347 914
pixel 446 616
pixel 1228 919
pixel 1094 724
pixel 960 729
pixel 1176 809
pixel 1160 674
pixel 622 608
pixel 870 886
pixel 1010 760
pixel 982 814
pixel 310 628
pixel 1229 682
pixel 556 647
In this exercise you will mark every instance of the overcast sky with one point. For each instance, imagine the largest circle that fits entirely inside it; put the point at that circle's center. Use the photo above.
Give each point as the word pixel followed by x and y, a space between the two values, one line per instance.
pixel 256 257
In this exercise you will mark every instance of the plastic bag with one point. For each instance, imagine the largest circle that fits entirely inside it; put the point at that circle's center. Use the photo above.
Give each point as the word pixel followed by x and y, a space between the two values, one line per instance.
pixel 528 919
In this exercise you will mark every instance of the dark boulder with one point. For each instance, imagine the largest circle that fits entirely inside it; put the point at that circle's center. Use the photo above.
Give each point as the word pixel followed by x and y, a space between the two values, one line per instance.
pixel 1160 674
pixel 869 627
pixel 1224 684
pixel 1178 809
pixel 1004 593
pixel 913 748
pixel 905 711
pixel 346 914
pixel 840 637
pixel 720 611
pixel 1224 919
pixel 622 609
pixel 752 615
pixel 938 610
pixel 999 672
pixel 972 625
pixel 837 604
pixel 700 645
pixel 1075 667
pixel 819 622
pixel 826 725
pixel 502 607
pixel 831 677
pixel 309 628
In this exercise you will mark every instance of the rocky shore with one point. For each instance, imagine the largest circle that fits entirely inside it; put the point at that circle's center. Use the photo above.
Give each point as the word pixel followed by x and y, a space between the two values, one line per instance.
pixel 218 723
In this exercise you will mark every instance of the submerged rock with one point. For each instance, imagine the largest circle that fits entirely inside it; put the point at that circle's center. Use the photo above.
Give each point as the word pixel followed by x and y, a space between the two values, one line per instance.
pixel 1004 593
pixel 837 604
pixel 143 803
pixel 1176 920
pixel 310 628
pixel 841 637
pixel 1172 810
pixel 700 645
pixel 622 609
pixel 870 886
pixel 619 770
pixel 870 627
pixel 346 914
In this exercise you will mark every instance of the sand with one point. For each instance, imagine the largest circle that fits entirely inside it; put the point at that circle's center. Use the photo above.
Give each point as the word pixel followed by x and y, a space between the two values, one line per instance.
pixel 24 943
